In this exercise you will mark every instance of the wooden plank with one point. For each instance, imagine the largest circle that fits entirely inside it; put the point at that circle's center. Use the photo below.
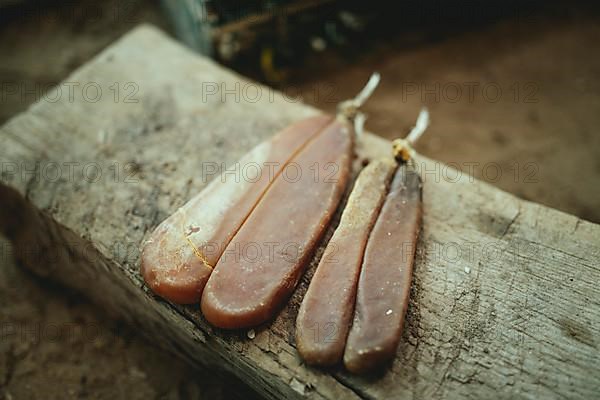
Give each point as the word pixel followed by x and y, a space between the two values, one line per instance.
pixel 505 301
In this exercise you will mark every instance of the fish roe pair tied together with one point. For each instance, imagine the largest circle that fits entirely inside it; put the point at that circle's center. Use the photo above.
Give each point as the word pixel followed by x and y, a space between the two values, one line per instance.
pixel 355 305
pixel 239 247
pixel 201 252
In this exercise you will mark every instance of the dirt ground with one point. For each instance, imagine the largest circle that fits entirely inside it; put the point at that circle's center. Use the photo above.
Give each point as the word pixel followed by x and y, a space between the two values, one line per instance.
pixel 515 103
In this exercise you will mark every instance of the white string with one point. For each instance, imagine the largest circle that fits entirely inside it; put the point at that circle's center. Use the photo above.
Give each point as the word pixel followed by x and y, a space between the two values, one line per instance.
pixel 349 108
pixel 420 126
pixel 368 90
pixel 403 148
pixel 359 123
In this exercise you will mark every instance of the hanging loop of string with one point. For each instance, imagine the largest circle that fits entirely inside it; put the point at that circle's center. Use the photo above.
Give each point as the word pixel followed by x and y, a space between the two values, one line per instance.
pixel 350 108
pixel 403 148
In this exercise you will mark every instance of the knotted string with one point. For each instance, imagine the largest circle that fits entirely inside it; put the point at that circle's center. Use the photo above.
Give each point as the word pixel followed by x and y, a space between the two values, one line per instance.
pixel 349 109
pixel 403 148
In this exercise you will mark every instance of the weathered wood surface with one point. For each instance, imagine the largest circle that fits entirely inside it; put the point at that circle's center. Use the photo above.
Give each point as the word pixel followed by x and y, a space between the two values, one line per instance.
pixel 505 297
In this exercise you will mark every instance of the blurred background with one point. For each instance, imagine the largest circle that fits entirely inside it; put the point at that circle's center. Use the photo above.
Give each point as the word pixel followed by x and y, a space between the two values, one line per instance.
pixel 513 88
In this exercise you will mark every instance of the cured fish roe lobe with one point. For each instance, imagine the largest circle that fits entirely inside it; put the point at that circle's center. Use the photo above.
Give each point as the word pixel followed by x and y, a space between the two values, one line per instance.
pixel 247 289
pixel 385 278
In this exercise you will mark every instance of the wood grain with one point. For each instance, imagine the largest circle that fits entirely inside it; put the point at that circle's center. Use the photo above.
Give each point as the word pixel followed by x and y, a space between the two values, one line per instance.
pixel 505 297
